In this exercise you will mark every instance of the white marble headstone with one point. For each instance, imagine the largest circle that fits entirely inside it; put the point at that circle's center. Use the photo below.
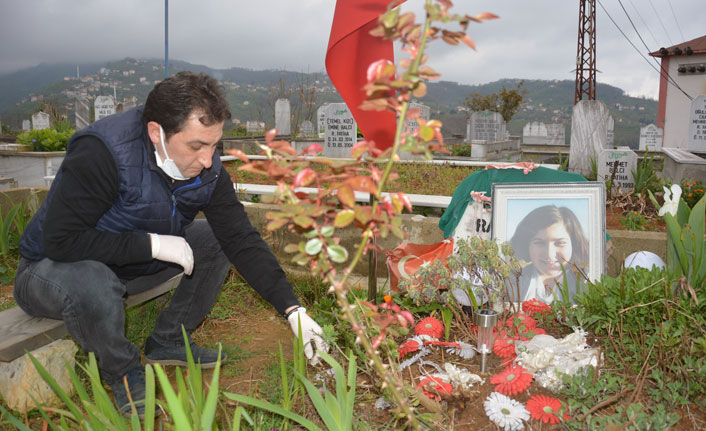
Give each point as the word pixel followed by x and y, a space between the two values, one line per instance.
pixel 589 134
pixel 697 125
pixel 651 138
pixel 104 106
pixel 340 135
pixel 488 126
pixel 306 128
pixel 254 126
pixel 129 103
pixel 283 119
pixel 627 163
pixel 40 121
pixel 321 120
pixel 556 134
pixel 82 111
pixel 424 112
pixel 26 126
pixel 534 133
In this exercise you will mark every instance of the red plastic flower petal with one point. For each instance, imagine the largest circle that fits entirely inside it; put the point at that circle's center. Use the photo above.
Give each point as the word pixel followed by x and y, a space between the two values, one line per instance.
pixel 521 321
pixel 429 326
pixel 442 343
pixel 512 380
pixel 504 345
pixel 438 385
pixel 534 306
pixel 545 409
pixel 408 347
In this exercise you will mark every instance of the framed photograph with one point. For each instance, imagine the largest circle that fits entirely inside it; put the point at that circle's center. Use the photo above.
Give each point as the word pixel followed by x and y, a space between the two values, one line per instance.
pixel 551 226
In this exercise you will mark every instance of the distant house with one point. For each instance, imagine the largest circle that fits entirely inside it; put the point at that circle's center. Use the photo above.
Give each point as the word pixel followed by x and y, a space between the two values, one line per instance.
pixel 686 65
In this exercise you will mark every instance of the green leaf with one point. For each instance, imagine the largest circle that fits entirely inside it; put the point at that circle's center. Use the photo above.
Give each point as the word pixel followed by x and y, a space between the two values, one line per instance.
pixel 264 405
pixel 303 221
pixel 313 246
pixel 337 253
pixel 344 218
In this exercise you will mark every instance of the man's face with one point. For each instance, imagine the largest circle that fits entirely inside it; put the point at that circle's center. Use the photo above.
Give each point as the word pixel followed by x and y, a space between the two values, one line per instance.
pixel 192 148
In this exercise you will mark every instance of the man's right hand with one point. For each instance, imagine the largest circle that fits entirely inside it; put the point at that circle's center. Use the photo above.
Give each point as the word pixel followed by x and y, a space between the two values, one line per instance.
pixel 175 249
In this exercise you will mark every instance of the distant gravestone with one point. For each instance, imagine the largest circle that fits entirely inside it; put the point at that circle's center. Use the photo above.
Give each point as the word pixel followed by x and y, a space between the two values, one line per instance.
pixel 283 122
pixel 556 134
pixel 82 112
pixel 610 131
pixel 129 103
pixel 26 126
pixel 589 135
pixel 40 121
pixel 340 134
pixel 651 138
pixel 697 125
pixel 321 120
pixel 306 128
pixel 487 126
pixel 254 126
pixel 424 112
pixel 104 106
pixel 626 164
pixel 534 133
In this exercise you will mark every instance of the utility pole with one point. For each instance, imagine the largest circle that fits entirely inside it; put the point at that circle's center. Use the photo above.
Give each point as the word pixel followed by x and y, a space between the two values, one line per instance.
pixel 586 53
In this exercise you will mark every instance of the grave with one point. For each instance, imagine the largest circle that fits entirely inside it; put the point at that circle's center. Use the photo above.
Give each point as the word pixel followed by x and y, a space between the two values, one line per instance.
pixel 254 126
pixel 589 135
pixel 556 134
pixel 26 126
pixel 487 126
pixel 40 121
pixel 283 122
pixel 321 120
pixel 82 111
pixel 104 106
pixel 651 138
pixel 534 133
pixel 424 112
pixel 626 163
pixel 340 131
pixel 129 103
pixel 697 125
pixel 306 129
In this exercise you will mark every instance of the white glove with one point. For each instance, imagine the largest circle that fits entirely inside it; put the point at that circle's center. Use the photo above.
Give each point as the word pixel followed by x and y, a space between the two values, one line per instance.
pixel 175 249
pixel 311 333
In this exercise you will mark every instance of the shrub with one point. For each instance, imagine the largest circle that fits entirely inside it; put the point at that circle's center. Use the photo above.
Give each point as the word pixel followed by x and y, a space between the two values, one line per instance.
pixel 53 139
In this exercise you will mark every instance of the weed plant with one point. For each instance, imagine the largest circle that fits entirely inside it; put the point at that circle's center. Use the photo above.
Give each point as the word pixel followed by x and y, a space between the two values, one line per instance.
pixel 645 176
pixel 633 220
pixel 692 191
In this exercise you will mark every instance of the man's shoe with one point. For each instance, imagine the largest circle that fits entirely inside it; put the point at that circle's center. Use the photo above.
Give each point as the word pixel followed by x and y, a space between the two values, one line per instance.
pixel 156 353
pixel 136 384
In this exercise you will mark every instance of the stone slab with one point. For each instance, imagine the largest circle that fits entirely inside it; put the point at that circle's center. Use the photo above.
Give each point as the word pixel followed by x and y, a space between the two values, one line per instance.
pixel 589 134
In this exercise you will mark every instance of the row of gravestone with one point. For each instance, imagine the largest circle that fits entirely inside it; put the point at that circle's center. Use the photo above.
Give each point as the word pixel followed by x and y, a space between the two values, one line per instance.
pixel 103 106
pixel 538 133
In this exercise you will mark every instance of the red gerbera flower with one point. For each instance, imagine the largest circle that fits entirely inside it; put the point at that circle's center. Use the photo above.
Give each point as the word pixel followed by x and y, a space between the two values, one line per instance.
pixel 408 347
pixel 522 322
pixel 429 326
pixel 545 409
pixel 512 380
pixel 437 385
pixel 534 306
pixel 504 345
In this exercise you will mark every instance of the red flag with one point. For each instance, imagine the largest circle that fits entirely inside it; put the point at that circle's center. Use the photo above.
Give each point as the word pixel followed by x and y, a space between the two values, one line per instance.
pixel 350 51
pixel 407 258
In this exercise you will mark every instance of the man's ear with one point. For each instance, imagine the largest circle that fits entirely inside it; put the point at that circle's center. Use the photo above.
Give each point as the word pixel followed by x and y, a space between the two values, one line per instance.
pixel 153 132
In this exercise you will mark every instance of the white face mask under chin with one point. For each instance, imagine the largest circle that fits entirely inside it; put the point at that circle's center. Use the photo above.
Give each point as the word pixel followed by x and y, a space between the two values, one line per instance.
pixel 168 166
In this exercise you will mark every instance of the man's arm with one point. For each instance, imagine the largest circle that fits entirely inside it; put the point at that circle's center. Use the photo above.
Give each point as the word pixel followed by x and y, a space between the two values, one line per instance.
pixel 245 248
pixel 88 188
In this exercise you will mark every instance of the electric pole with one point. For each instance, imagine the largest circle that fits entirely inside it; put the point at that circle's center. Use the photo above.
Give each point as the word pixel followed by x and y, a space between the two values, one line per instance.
pixel 586 53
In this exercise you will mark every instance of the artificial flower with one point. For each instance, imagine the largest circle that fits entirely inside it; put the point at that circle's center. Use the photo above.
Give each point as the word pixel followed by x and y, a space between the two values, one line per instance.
pixel 407 347
pixel 504 345
pixel 671 200
pixel 521 321
pixel 534 306
pixel 512 380
pixel 429 326
pixel 505 412
pixel 436 385
pixel 545 409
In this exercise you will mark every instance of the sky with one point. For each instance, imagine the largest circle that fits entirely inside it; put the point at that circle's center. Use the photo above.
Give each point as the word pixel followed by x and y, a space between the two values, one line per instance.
pixel 533 39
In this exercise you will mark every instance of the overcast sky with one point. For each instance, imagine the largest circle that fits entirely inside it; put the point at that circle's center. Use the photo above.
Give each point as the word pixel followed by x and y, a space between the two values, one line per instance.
pixel 533 39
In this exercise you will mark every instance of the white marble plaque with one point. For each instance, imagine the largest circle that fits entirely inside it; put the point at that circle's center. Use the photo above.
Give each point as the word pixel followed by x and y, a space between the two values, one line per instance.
pixel 40 121
pixel 697 125
pixel 626 164
pixel 651 138
pixel 589 134
pixel 488 126
pixel 283 120
pixel 82 111
pixel 340 135
pixel 306 128
pixel 104 106
pixel 26 126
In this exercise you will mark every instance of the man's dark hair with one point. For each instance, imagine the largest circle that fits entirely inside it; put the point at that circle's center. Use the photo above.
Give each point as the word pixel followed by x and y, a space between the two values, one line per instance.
pixel 172 101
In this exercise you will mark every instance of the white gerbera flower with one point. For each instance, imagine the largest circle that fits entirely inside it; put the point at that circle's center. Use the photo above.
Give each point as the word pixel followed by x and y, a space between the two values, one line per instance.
pixel 507 413
pixel 671 200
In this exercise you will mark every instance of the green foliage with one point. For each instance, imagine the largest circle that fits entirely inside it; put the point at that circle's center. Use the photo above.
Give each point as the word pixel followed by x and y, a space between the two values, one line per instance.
pixel 506 102
pixel 645 176
pixel 633 220
pixel 6 223
pixel 461 150
pixel 52 139
pixel 563 162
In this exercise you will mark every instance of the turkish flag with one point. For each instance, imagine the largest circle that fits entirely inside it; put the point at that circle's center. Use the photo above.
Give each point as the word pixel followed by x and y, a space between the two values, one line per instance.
pixel 407 258
pixel 350 51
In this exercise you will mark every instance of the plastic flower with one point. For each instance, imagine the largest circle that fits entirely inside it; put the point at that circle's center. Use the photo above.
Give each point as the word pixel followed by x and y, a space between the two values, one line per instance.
pixel 534 306
pixel 671 200
pixel 512 380
pixel 519 320
pixel 437 386
pixel 545 409
pixel 507 413
pixel 429 326
pixel 408 347
pixel 504 345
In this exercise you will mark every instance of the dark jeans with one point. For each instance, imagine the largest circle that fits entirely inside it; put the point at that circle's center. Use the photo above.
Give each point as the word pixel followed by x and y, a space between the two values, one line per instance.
pixel 88 297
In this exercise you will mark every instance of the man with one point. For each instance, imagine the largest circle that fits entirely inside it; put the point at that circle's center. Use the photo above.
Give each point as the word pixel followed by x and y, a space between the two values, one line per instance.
pixel 119 219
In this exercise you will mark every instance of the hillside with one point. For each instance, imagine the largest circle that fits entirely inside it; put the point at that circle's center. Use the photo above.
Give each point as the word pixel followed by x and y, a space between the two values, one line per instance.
pixel 251 94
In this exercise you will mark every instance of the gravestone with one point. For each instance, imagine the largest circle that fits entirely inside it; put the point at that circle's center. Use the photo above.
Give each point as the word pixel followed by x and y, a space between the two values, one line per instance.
pixel 589 134
pixel 104 106
pixel 306 129
pixel 611 131
pixel 129 103
pixel 697 125
pixel 254 126
pixel 556 134
pixel 340 135
pixel 321 120
pixel 488 126
pixel 626 163
pixel 26 126
pixel 40 121
pixel 424 112
pixel 283 122
pixel 82 112
pixel 534 133
pixel 651 138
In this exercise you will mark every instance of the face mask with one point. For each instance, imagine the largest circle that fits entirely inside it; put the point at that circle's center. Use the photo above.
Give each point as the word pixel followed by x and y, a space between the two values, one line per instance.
pixel 168 166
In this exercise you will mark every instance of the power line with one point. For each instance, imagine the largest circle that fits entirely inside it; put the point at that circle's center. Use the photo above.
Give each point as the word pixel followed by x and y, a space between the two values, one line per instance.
pixel 671 81
pixel 675 19
pixel 645 23
pixel 661 23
